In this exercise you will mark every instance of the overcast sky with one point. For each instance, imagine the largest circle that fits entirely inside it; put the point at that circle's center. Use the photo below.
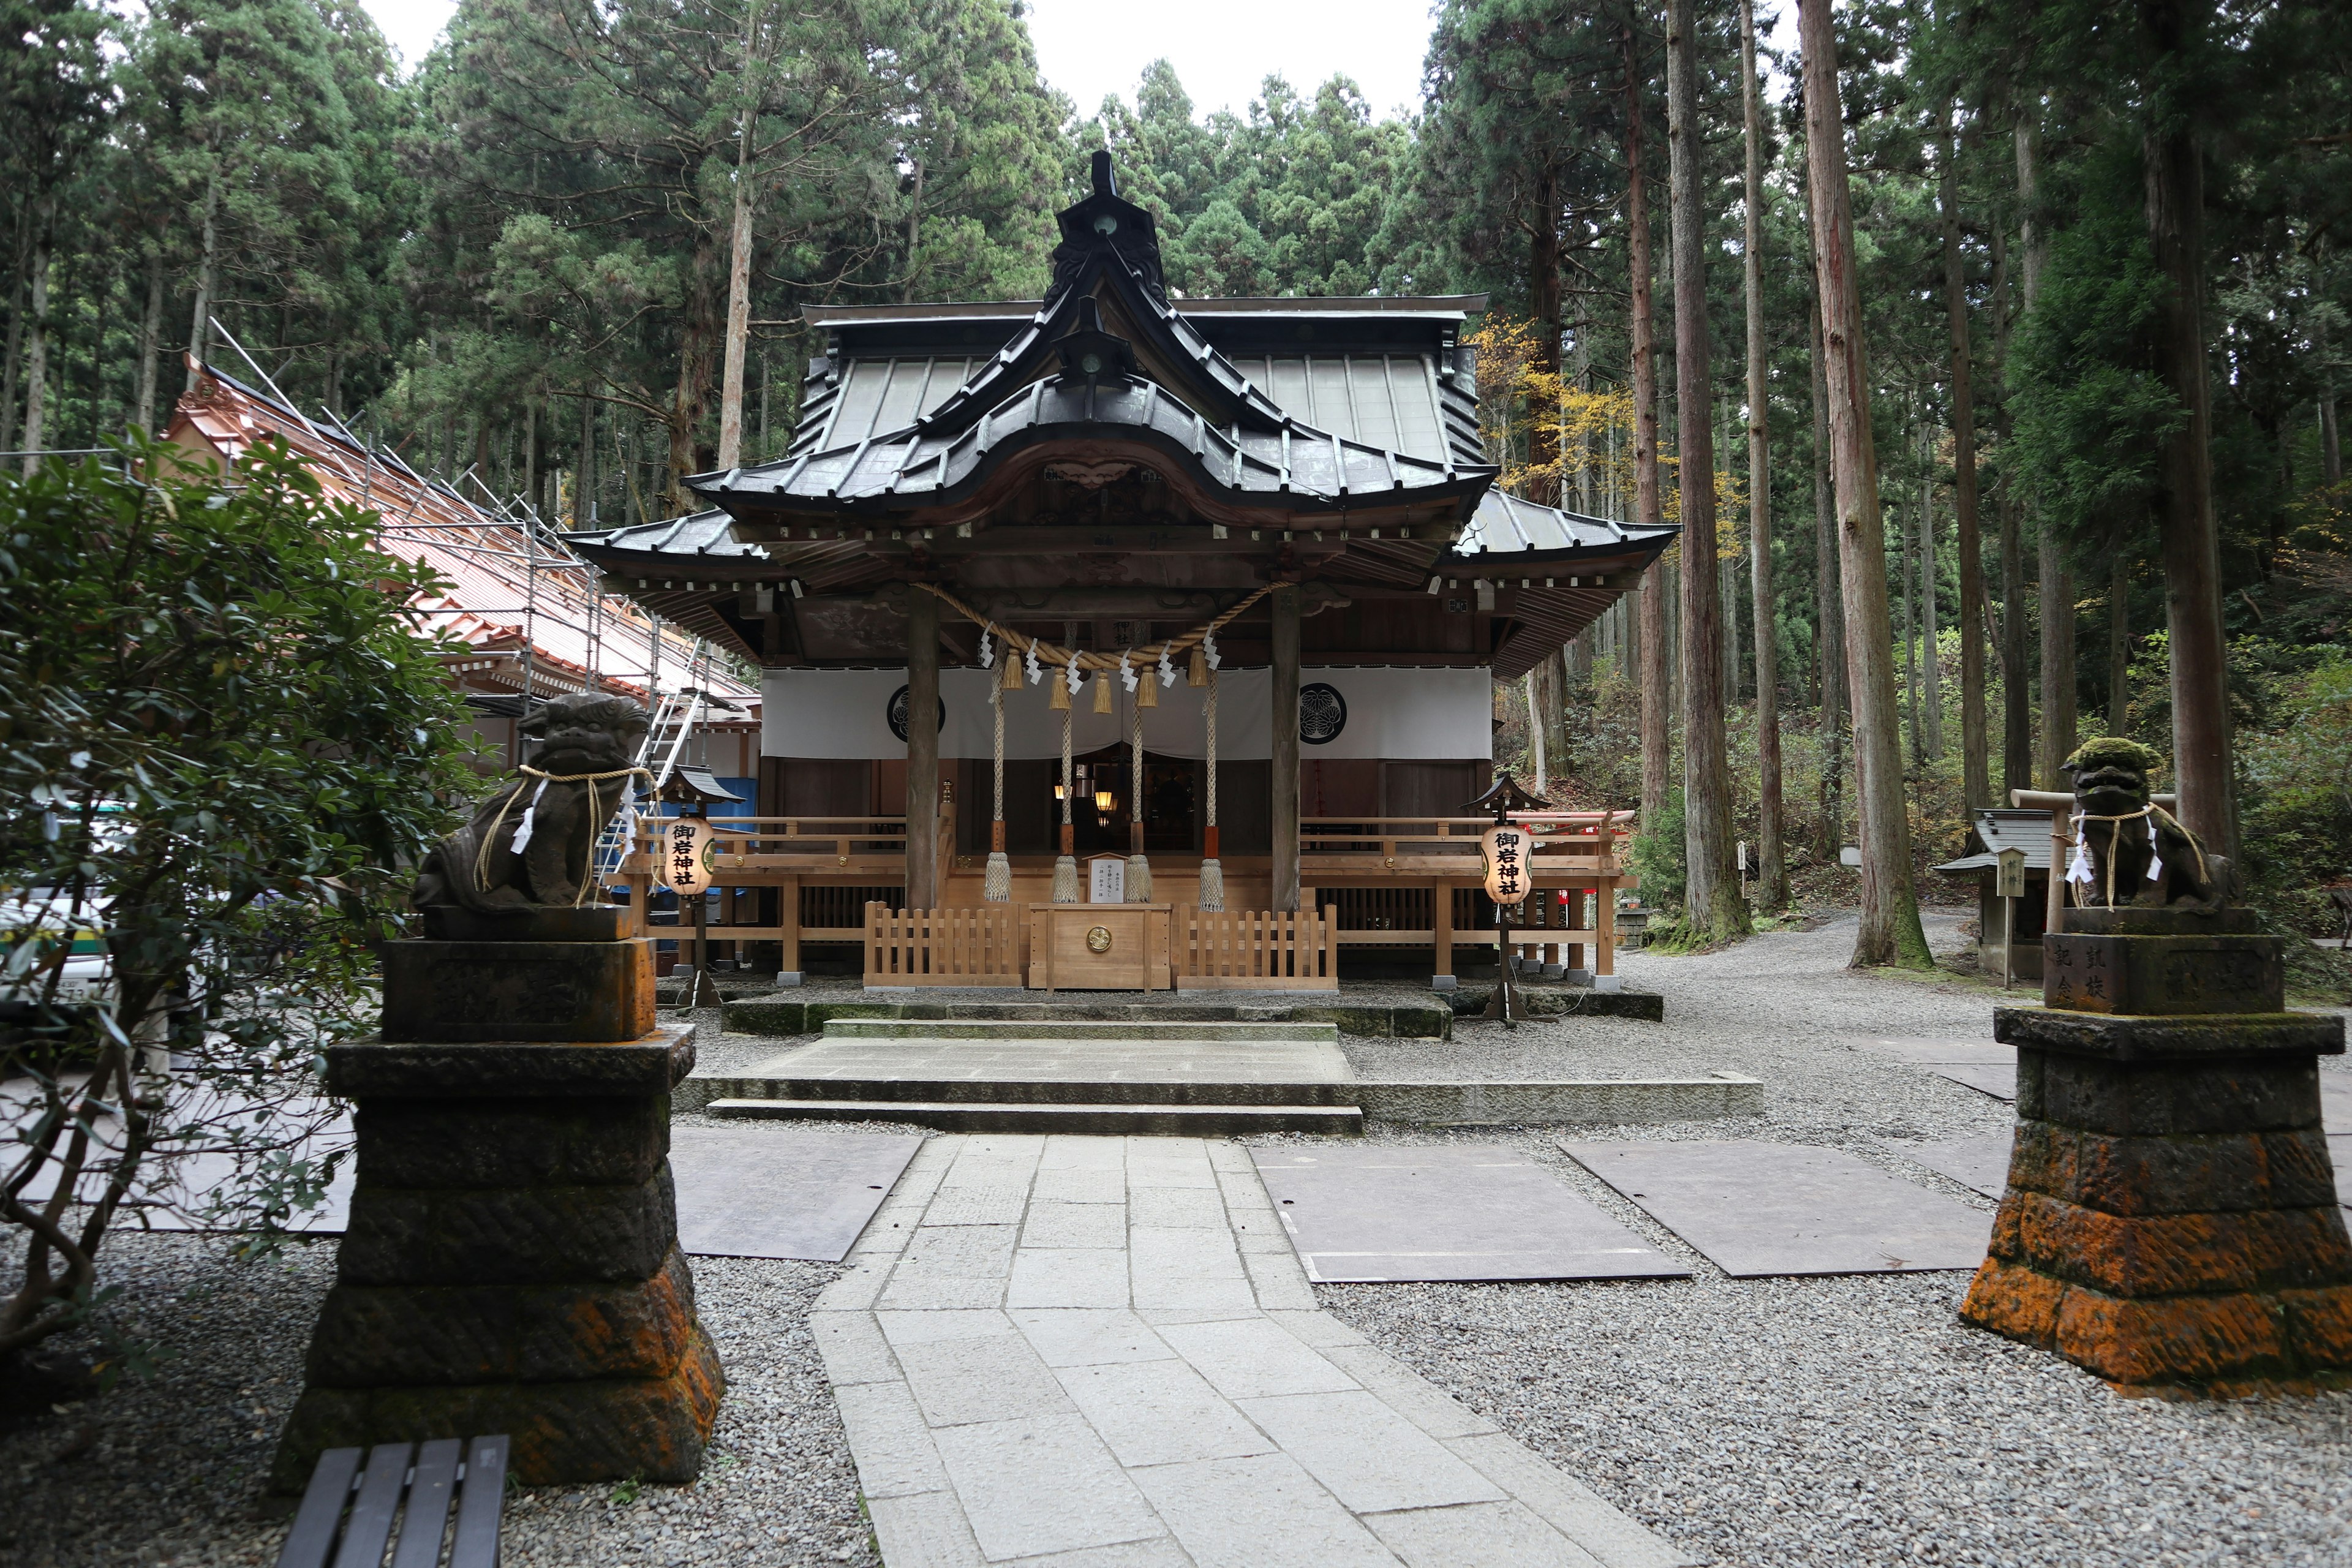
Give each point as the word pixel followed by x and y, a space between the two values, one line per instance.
pixel 1222 48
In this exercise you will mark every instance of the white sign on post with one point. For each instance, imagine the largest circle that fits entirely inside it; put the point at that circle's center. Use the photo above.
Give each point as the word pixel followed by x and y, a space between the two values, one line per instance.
pixel 1109 885
pixel 682 860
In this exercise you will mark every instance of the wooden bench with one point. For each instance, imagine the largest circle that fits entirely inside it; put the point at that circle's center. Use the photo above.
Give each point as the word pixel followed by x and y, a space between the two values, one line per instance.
pixel 430 1475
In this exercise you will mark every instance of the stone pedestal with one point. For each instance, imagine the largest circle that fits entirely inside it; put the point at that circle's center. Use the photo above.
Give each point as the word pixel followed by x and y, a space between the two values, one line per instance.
pixel 2170 1221
pixel 512 1263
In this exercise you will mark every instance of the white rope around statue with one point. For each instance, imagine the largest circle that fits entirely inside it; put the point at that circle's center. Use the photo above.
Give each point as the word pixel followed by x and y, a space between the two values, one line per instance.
pixel 1212 873
pixel 530 815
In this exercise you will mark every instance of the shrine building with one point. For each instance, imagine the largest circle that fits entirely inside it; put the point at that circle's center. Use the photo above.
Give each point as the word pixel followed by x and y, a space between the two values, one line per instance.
pixel 1009 541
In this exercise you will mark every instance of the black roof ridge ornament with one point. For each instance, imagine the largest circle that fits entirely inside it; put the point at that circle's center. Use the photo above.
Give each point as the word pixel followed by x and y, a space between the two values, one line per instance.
pixel 1106 181
pixel 1087 351
pixel 1106 221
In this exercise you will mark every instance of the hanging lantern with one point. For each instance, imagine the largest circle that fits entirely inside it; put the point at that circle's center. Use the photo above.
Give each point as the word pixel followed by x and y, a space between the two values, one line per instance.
pixel 683 865
pixel 1507 848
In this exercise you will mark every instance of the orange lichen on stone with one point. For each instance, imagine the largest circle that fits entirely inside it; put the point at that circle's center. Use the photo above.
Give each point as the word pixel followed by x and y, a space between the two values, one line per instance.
pixel 2177 1338
pixel 2014 1301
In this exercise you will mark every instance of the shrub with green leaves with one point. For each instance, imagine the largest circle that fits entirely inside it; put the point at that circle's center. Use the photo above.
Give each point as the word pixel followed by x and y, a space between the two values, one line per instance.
pixel 224 743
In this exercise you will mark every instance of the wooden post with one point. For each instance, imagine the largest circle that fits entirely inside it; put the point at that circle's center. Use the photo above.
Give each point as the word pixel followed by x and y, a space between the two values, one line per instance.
pixel 1284 746
pixel 788 921
pixel 2059 803
pixel 1441 943
pixel 922 749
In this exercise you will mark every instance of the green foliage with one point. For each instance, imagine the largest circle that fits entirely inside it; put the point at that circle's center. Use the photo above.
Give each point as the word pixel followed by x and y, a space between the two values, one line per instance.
pixel 2298 792
pixel 1660 856
pixel 222 748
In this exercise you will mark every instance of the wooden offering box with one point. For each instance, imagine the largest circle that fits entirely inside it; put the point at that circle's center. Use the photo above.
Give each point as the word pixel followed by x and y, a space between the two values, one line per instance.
pixel 1099 947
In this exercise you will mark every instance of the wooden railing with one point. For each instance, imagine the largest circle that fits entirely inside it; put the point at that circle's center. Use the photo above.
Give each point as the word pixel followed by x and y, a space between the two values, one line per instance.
pixel 1566 842
pixel 1255 950
pixel 811 845
pixel 986 945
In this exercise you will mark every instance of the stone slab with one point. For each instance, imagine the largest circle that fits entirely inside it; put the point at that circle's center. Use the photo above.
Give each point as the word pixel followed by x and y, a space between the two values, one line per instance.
pixel 2164 975
pixel 1158 1060
pixel 1978 1163
pixel 2189 1037
pixel 560 922
pixel 2336 1101
pixel 1759 1209
pixel 652 1063
pixel 781 1192
pixel 1994 1078
pixel 1591 1101
pixel 1928 1052
pixel 1445 1212
pixel 518 990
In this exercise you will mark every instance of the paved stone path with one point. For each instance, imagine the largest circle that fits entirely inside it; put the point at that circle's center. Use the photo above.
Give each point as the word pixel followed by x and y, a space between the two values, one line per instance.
pixel 1101 1352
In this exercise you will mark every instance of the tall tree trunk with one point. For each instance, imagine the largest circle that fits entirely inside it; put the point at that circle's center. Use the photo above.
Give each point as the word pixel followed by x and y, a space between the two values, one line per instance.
pixel 1931 642
pixel 694 354
pixel 1975 789
pixel 151 345
pixel 207 261
pixel 2119 642
pixel 1907 565
pixel 2057 582
pixel 583 488
pixel 11 359
pixel 1715 908
pixel 1544 297
pixel 2017 695
pixel 2174 166
pixel 1890 932
pixel 739 270
pixel 2331 449
pixel 1831 652
pixel 1657 740
pixel 37 333
pixel 1771 870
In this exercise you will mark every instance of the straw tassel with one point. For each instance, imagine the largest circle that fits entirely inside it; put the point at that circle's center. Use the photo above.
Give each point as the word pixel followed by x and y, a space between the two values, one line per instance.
pixel 1065 868
pixel 1212 875
pixel 1102 691
pixel 1138 868
pixel 996 885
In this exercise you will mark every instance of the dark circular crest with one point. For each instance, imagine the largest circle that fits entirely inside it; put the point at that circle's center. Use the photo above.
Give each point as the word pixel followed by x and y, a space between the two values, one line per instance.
pixel 898 712
pixel 1322 713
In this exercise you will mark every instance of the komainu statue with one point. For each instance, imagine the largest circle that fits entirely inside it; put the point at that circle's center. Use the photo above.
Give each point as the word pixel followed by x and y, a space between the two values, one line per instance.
pixel 2130 851
pixel 532 843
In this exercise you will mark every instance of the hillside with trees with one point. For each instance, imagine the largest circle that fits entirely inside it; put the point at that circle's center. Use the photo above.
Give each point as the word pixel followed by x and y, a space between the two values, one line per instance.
pixel 1988 354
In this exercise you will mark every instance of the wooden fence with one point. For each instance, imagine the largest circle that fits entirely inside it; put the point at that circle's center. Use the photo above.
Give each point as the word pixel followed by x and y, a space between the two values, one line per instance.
pixel 985 945
pixel 1255 950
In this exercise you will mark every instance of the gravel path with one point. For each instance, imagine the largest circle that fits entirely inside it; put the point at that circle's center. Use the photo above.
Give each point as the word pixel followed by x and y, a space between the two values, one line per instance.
pixel 1845 1420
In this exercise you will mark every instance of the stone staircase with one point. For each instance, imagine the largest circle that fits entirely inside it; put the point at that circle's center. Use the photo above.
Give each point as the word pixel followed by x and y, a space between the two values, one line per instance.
pixel 1186 1078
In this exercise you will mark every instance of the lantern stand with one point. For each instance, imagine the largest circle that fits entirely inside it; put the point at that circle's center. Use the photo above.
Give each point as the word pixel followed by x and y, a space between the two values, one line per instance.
pixel 696 787
pixel 1506 1005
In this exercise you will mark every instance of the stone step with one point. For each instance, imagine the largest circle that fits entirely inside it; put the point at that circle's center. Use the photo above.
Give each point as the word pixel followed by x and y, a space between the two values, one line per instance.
pixel 784 1015
pixel 1149 1121
pixel 1211 1090
pixel 1118 1031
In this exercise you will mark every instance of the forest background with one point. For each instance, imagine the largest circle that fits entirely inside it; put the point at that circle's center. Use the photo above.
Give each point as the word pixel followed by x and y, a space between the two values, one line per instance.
pixel 515 265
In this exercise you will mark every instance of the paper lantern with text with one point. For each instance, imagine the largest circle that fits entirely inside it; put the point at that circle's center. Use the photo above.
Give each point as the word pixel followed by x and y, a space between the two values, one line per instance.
pixel 682 861
pixel 1506 849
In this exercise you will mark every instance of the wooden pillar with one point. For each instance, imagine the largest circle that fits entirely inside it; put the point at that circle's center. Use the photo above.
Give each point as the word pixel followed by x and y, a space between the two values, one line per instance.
pixel 1440 945
pixel 788 921
pixel 922 749
pixel 1284 746
pixel 1604 934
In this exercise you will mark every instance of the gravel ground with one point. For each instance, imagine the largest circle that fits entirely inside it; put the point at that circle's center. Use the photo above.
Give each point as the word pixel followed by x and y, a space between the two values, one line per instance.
pixel 1841 1420
pixel 169 1475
